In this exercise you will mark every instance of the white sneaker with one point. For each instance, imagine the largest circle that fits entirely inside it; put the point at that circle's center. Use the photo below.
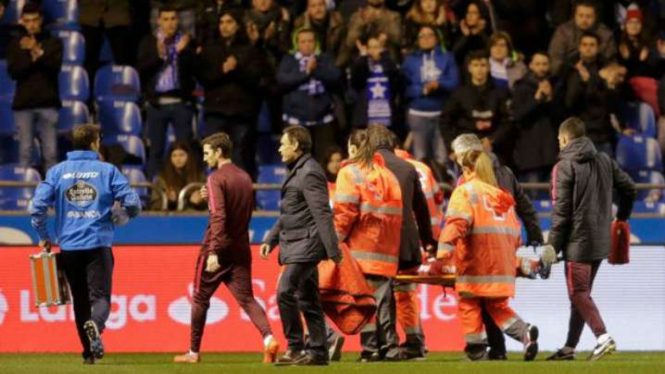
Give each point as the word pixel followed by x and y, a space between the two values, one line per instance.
pixel 606 345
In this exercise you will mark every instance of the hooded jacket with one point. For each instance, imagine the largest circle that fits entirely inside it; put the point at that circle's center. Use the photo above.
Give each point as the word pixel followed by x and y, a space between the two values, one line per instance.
pixel 582 185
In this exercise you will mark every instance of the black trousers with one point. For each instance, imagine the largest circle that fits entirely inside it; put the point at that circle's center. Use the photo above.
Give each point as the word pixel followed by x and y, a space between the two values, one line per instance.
pixel 298 292
pixel 89 274
pixel 495 338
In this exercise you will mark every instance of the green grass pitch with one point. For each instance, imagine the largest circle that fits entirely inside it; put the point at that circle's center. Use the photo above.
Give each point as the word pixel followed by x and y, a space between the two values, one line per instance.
pixel 219 363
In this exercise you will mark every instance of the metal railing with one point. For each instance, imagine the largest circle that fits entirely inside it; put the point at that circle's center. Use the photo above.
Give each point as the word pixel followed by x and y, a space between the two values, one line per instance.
pixel 188 189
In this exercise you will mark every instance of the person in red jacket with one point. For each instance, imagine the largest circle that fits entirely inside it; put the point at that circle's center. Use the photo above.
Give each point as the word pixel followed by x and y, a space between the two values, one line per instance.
pixel 225 256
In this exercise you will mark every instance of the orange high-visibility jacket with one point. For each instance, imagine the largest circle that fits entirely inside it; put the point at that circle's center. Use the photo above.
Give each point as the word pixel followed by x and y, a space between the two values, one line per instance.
pixel 482 233
pixel 368 215
pixel 431 189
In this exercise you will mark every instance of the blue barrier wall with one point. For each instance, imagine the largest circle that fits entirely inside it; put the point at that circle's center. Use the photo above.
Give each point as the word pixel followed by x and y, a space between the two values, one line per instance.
pixel 190 229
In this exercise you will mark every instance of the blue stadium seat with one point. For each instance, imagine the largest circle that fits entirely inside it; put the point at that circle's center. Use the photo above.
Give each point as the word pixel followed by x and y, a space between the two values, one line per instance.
pixel 270 199
pixel 13 11
pixel 117 83
pixel 543 206
pixel 649 207
pixel 73 45
pixel 72 113
pixel 120 117
pixel 74 83
pixel 7 85
pixel 63 13
pixel 7 126
pixel 640 116
pixel 639 153
pixel 17 198
pixel 134 174
pixel 132 144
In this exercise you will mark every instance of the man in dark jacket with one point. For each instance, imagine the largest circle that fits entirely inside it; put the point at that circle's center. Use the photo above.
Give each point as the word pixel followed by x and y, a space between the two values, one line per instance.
pixel 532 107
pixel 306 236
pixel 165 63
pixel 34 62
pixel 207 19
pixel 563 45
pixel 479 107
pixel 307 78
pixel 593 92
pixel 583 182
pixel 525 211
pixel 416 231
pixel 229 70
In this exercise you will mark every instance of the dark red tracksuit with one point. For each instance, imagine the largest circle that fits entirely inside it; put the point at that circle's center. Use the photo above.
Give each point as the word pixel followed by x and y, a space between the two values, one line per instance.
pixel 230 202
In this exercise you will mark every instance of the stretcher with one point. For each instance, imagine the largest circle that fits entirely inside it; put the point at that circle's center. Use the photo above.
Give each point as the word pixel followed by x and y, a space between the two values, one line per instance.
pixel 444 280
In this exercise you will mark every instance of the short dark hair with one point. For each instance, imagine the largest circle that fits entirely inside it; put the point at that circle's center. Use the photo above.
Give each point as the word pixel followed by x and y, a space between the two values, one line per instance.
pixel 587 4
pixel 31 8
pixel 476 55
pixel 221 141
pixel 84 135
pixel 540 53
pixel 590 34
pixel 573 127
pixel 167 8
pixel 301 135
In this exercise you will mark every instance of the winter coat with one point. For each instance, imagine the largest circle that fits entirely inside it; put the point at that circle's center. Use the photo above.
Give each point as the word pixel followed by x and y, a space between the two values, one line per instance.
pixel 234 93
pixel 304 230
pixel 564 43
pixel 36 81
pixel 536 145
pixel 298 102
pixel 583 182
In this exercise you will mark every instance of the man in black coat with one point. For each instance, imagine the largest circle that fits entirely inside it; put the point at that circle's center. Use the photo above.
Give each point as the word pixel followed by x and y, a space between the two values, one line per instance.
pixel 527 214
pixel 306 236
pixel 416 231
pixel 583 182
pixel 34 62
pixel 479 107
pixel 165 63
pixel 230 71
pixel 533 107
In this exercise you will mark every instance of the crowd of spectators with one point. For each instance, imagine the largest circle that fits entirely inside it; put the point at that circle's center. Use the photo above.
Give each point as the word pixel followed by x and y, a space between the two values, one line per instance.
pixel 507 70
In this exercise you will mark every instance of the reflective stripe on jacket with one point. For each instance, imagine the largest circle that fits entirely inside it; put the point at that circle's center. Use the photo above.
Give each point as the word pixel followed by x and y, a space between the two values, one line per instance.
pixel 430 188
pixel 368 215
pixel 482 234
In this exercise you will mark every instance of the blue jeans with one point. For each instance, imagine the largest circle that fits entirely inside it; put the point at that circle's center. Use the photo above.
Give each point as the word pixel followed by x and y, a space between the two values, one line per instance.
pixel 159 119
pixel 43 121
pixel 427 139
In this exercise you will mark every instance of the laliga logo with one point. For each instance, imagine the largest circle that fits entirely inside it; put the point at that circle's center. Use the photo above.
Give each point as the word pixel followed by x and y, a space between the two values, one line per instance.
pixel 181 309
pixel 4 307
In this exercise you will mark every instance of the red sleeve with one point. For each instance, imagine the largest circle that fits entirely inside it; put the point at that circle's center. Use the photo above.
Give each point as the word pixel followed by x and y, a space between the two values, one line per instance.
pixel 218 236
